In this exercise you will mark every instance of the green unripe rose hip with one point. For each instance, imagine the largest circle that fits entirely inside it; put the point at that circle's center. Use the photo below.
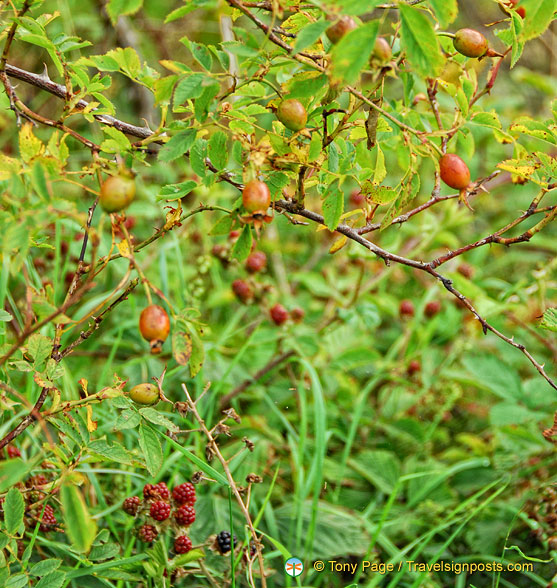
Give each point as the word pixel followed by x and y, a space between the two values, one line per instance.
pixel 292 114
pixel 381 51
pixel 470 43
pixel 117 192
pixel 146 394
pixel 344 25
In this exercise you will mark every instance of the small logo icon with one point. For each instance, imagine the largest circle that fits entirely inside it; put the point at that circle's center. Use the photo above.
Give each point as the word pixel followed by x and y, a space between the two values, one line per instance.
pixel 293 567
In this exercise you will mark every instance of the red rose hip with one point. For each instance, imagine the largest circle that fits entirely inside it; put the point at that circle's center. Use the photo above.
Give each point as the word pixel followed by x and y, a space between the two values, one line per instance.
pixel 454 172
pixel 154 326
pixel 256 197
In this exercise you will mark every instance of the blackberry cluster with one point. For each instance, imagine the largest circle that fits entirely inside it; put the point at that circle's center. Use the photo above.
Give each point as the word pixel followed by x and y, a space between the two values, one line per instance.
pixel 224 542
pixel 158 491
pixel 185 515
pixel 182 544
pixel 184 493
pixel 131 505
pixel 147 533
pixel 160 510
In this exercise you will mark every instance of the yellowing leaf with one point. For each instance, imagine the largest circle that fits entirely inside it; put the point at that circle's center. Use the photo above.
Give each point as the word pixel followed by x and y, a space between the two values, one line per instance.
pixel 338 244
pixel 29 145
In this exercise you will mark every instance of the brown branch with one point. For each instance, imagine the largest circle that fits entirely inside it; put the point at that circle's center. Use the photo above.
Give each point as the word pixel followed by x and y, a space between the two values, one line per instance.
pixel 225 400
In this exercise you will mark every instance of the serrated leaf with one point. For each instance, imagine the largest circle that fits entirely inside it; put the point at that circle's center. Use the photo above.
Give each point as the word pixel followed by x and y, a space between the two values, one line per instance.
pixel 80 527
pixel 445 10
pixel 110 451
pixel 223 226
pixel 45 567
pixel 333 206
pixel 309 34
pixel 420 42
pixel 157 418
pixel 5 317
pixel 151 449
pixel 176 191
pixel 549 320
pixel 115 8
pixel 53 580
pixel 539 14
pixel 188 88
pixel 351 54
pixel 178 145
pixel 128 419
pixel 242 247
pixel 217 151
pixel 14 507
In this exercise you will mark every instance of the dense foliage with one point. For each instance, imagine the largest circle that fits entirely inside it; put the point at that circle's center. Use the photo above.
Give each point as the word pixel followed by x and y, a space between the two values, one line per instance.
pixel 276 280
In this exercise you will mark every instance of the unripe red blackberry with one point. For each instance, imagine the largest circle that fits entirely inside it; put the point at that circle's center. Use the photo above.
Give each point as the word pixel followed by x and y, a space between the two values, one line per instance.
pixel 432 308
pixel 224 542
pixel 279 314
pixel 147 533
pixel 185 515
pixel 406 308
pixel 344 25
pixel 160 510
pixel 292 114
pixel 242 290
pixel 470 43
pixel 117 192
pixel 48 520
pixel 163 491
pixel 184 493
pixel 131 505
pixel 256 262
pixel 256 197
pixel 154 326
pixel 454 172
pixel 156 491
pixel 13 451
pixel 182 544
pixel 37 480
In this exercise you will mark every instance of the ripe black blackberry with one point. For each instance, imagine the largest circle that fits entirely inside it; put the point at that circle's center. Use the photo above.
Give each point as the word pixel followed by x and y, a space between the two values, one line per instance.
pixel 185 515
pixel 147 533
pixel 182 544
pixel 160 510
pixel 131 505
pixel 184 493
pixel 224 542
pixel 48 520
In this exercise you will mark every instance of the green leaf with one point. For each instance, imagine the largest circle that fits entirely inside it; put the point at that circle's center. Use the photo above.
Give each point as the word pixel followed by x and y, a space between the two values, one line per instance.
pixel 182 560
pixel 217 151
pixel 420 42
pixel 539 14
pixel 198 153
pixel 333 206
pixel 243 244
pixel 5 317
pixel 178 145
pixel 112 452
pixel 176 191
pixel 14 507
pixel 151 449
pixel 181 347
pixel 491 373
pixel 53 580
pixel 128 419
pixel 115 8
pixel 45 567
pixel 197 354
pixel 549 320
pixel 13 471
pixel 17 581
pixel 157 418
pixel 200 52
pixel 351 54
pixel 309 34
pixel 80 527
pixel 445 10
pixel 188 88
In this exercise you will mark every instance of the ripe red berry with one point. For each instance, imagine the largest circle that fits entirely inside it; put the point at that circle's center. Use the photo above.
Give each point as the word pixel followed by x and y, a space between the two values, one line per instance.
pixel 154 326
pixel 184 493
pixel 182 544
pixel 162 491
pixel 233 235
pixel 13 451
pixel 160 510
pixel 406 308
pixel 131 505
pixel 146 394
pixel 470 43
pixel 521 11
pixel 357 199
pixel 256 262
pixel 279 314
pixel 381 51
pixel 147 533
pixel 38 480
pixel 185 515
pixel 344 25
pixel 432 308
pixel 454 172
pixel 242 290
pixel 117 192
pixel 256 197
pixel 292 114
